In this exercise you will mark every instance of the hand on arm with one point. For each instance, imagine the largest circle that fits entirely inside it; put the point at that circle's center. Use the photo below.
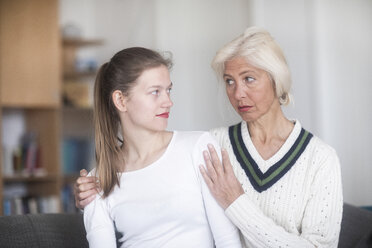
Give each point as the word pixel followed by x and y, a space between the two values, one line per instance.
pixel 220 178
pixel 85 189
pixel 224 232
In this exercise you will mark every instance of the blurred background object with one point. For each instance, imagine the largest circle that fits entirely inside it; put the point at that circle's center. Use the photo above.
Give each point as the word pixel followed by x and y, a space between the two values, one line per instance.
pixel 50 51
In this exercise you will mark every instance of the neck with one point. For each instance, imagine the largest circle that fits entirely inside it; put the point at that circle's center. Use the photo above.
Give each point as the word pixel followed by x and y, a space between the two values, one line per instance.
pixel 142 147
pixel 273 125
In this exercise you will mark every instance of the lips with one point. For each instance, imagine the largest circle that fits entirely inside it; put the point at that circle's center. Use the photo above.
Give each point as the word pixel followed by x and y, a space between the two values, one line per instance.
pixel 163 115
pixel 244 108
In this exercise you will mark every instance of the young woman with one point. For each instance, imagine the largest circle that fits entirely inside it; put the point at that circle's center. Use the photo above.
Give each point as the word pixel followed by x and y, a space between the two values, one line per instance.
pixel 152 192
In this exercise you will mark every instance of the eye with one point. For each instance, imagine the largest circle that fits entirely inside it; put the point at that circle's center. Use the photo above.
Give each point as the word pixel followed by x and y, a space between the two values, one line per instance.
pixel 155 92
pixel 169 90
pixel 249 79
pixel 229 81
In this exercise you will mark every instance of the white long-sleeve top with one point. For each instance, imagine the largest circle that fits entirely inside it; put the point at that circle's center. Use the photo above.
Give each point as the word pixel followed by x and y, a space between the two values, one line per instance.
pixel 166 204
pixel 300 208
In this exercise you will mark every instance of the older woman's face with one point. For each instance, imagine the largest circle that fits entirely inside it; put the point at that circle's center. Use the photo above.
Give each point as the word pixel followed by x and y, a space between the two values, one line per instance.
pixel 249 89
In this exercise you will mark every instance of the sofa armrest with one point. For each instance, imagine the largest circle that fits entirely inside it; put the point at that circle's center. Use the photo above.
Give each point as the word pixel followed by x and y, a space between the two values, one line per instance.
pixel 356 227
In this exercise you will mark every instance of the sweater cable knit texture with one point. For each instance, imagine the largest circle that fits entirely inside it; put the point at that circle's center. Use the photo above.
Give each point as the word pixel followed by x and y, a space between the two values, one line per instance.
pixel 301 209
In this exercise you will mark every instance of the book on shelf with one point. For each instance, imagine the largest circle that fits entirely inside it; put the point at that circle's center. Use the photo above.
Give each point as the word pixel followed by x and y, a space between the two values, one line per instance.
pixel 68 200
pixel 78 153
pixel 24 159
pixel 31 205
pixel 16 200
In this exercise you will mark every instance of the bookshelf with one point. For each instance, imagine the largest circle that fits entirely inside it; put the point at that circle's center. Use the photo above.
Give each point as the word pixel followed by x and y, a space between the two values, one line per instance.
pixel 36 65
pixel 30 86
pixel 1 159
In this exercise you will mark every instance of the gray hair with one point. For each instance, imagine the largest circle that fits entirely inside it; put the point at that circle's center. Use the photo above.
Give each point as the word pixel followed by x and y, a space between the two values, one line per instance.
pixel 259 49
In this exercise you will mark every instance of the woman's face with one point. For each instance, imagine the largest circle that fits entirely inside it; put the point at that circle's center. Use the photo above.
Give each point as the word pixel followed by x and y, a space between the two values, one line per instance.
pixel 149 102
pixel 249 89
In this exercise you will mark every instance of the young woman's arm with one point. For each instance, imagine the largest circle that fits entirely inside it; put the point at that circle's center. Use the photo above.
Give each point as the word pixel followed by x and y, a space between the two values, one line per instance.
pixel 224 232
pixel 98 224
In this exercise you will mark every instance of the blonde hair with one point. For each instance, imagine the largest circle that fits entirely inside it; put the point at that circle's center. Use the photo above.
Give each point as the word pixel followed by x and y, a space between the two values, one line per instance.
pixel 259 49
pixel 121 73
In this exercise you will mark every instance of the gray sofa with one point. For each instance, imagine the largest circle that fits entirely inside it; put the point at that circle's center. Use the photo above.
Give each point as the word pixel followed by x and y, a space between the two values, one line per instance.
pixel 42 230
pixel 356 228
pixel 67 230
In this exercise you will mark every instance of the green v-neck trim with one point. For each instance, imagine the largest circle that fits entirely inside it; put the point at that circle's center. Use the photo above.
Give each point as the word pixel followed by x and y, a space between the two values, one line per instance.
pixel 262 181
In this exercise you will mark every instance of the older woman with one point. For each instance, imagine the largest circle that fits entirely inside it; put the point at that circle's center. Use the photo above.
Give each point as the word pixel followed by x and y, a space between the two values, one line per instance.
pixel 288 188
pixel 279 184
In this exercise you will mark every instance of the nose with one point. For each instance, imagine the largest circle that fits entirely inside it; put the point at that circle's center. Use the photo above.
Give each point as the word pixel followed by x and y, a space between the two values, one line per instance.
pixel 239 91
pixel 167 103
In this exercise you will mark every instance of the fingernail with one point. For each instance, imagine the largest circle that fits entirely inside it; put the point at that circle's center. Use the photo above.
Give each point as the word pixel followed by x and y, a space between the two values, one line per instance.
pixel 210 146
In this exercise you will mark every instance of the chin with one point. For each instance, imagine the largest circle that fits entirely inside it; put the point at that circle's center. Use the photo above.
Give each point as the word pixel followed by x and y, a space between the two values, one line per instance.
pixel 161 127
pixel 248 118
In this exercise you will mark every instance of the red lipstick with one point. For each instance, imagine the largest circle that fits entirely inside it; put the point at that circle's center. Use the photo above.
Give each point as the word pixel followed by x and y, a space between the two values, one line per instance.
pixel 163 115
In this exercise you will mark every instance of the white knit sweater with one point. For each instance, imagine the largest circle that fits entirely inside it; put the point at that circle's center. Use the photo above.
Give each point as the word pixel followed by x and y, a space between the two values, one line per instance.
pixel 301 209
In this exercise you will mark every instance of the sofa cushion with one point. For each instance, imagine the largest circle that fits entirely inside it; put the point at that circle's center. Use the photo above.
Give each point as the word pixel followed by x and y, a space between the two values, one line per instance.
pixel 356 228
pixel 43 230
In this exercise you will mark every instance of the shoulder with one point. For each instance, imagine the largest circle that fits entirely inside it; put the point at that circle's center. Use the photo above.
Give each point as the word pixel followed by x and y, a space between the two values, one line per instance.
pixel 192 138
pixel 317 150
pixel 320 149
pixel 93 172
pixel 195 138
pixel 221 134
pixel 322 157
pixel 194 142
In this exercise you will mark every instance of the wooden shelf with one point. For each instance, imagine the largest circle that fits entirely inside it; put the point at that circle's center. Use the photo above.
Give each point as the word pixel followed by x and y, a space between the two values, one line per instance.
pixel 78 75
pixel 30 80
pixel 70 179
pixel 29 178
pixel 69 109
pixel 81 42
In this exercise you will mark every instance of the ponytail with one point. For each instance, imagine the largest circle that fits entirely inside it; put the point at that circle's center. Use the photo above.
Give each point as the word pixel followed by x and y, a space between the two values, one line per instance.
pixel 106 122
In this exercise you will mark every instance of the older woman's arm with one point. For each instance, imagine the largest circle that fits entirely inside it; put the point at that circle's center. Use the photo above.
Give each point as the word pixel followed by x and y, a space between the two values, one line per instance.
pixel 85 189
pixel 321 221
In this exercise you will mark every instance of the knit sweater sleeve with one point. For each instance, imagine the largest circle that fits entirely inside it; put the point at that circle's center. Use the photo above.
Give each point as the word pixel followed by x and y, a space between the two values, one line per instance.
pixel 321 221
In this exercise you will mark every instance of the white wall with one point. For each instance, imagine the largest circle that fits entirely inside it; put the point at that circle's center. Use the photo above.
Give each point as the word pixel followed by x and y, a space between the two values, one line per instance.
pixel 328 47
pixel 194 30
pixel 326 42
pixel 344 73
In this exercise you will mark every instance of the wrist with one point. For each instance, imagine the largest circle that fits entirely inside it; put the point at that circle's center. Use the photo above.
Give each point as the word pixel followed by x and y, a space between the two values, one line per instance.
pixel 232 200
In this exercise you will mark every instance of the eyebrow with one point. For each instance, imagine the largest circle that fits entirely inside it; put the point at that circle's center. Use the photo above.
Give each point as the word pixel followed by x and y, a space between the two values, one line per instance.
pixel 243 72
pixel 159 86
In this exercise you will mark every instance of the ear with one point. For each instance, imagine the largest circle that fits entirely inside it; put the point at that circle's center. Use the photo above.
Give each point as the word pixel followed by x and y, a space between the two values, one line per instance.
pixel 119 100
